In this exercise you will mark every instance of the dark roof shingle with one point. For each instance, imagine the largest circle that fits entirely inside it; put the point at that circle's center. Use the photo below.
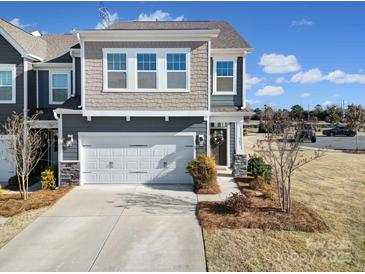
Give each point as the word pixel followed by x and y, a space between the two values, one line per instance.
pixel 227 38
pixel 59 46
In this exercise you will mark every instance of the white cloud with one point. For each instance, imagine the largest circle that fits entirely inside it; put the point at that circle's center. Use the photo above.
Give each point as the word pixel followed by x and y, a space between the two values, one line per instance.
pixel 280 80
pixel 302 22
pixel 341 77
pixel 305 94
pixel 251 81
pixel 252 101
pixel 327 103
pixel 336 95
pixel 114 17
pixel 159 15
pixel 279 63
pixel 19 24
pixel 337 77
pixel 305 77
pixel 270 91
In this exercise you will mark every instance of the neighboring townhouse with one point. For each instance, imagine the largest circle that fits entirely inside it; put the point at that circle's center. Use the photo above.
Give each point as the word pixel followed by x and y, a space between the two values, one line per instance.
pixel 136 102
pixel 34 60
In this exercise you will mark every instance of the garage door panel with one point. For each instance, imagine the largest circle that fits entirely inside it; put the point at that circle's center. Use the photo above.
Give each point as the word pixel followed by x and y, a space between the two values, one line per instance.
pixel 136 159
pixel 91 164
pixel 131 151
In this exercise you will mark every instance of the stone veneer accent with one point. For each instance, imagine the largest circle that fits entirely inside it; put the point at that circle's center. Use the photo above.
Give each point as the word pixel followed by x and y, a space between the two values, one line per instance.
pixel 69 173
pixel 196 99
pixel 239 165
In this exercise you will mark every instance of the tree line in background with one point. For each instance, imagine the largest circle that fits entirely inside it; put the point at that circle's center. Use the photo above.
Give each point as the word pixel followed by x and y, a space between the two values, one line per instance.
pixel 353 115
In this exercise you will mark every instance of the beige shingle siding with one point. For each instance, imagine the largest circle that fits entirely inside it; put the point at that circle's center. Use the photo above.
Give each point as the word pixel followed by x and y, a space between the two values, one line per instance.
pixel 196 99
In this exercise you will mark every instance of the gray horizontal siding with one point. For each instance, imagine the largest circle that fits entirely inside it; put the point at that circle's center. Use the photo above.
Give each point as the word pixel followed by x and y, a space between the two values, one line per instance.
pixel 43 86
pixel 73 124
pixel 229 100
pixel 9 55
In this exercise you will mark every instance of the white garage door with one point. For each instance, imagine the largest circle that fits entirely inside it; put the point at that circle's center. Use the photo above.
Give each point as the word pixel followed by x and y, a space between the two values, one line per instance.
pixel 117 159
pixel 7 169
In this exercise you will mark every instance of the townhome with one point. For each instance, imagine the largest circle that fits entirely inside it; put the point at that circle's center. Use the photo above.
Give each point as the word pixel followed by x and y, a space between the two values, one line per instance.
pixel 133 103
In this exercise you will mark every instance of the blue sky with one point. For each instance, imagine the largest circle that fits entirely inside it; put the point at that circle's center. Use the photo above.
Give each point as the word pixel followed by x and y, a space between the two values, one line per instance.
pixel 305 52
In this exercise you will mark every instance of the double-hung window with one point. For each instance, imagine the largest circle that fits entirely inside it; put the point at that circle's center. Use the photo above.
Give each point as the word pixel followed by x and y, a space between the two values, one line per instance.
pixel 60 89
pixel 116 71
pixel 7 83
pixel 146 71
pixel 225 77
pixel 176 71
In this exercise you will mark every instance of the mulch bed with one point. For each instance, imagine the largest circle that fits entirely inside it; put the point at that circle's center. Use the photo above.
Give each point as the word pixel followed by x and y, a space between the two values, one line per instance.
pixel 13 204
pixel 263 213
pixel 213 189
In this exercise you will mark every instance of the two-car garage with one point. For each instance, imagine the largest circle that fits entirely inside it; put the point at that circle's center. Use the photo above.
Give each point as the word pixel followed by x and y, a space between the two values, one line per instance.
pixel 135 158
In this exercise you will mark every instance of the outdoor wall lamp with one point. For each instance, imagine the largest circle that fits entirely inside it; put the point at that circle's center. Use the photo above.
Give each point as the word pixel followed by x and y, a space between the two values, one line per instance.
pixel 69 140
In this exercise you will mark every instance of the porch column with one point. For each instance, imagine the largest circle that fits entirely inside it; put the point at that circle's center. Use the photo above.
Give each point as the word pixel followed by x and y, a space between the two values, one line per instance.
pixel 239 138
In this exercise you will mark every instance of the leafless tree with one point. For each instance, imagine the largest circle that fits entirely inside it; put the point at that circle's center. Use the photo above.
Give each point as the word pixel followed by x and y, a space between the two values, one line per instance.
pixel 355 116
pixel 281 148
pixel 26 146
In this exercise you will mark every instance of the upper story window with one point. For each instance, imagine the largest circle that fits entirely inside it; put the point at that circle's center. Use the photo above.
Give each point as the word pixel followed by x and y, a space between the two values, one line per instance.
pixel 176 71
pixel 147 73
pixel 117 71
pixel 146 69
pixel 60 89
pixel 7 84
pixel 225 77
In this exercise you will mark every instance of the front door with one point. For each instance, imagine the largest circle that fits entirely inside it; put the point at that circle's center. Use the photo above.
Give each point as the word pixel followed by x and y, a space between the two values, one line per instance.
pixel 218 143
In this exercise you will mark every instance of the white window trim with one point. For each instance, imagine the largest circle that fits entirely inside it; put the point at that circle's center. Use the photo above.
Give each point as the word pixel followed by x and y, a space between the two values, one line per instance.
pixel 187 71
pixel 225 59
pixel 105 70
pixel 155 71
pixel 132 71
pixel 12 68
pixel 50 89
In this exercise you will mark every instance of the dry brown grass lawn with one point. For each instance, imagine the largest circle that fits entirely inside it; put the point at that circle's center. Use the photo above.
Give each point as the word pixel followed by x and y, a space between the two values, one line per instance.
pixel 13 204
pixel 334 187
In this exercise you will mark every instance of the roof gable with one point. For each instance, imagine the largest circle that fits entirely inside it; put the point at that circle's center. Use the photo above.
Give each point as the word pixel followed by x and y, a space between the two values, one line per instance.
pixel 24 42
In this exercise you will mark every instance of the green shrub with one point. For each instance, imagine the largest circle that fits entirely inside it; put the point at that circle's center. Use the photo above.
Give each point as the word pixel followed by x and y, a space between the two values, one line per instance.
pixel 13 182
pixel 258 167
pixel 1 191
pixel 236 203
pixel 48 179
pixel 204 171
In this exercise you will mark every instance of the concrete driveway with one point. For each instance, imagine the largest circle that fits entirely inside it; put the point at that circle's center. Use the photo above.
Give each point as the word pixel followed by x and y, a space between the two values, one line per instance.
pixel 112 228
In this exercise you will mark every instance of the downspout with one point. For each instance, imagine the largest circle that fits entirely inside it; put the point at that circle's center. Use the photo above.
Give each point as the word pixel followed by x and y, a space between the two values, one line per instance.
pixel 73 75
pixel 244 80
pixel 25 119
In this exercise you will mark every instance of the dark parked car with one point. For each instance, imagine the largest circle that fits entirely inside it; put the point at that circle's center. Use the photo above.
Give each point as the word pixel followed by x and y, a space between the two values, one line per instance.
pixel 306 133
pixel 339 131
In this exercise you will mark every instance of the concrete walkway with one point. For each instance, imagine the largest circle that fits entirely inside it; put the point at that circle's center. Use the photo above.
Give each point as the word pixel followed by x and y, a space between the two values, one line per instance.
pixel 107 228
pixel 227 185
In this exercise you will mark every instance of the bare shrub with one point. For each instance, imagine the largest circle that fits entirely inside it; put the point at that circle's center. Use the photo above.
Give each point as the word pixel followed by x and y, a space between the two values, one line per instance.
pixel 236 203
